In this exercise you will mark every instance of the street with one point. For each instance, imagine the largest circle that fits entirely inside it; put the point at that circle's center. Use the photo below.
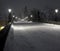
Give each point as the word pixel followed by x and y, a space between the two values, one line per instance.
pixel 33 37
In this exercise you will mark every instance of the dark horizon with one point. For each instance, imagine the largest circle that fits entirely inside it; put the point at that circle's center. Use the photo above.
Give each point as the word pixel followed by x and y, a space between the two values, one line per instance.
pixel 17 5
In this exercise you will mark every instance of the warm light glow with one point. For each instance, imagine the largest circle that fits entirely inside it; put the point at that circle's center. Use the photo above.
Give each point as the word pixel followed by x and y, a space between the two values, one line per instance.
pixel 2 27
pixel 9 10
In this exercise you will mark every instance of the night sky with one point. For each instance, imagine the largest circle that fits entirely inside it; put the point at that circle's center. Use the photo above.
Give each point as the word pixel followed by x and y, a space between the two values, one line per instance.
pixel 17 5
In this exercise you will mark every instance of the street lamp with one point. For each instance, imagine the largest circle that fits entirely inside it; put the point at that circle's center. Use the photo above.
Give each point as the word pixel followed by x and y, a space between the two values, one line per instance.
pixel 16 17
pixel 13 16
pixel 10 15
pixel 31 16
pixel 56 15
pixel 9 10
pixel 56 10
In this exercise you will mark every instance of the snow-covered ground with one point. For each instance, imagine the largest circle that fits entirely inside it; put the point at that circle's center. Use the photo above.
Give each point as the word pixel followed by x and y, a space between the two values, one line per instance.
pixel 33 37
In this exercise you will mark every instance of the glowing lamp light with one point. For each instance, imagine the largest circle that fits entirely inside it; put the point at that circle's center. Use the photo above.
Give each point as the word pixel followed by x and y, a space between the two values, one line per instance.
pixel 16 17
pixel 56 10
pixel 9 10
pixel 31 15
pixel 13 16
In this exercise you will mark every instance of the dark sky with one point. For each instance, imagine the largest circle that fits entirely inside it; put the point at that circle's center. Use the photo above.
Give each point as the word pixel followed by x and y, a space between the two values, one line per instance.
pixel 17 5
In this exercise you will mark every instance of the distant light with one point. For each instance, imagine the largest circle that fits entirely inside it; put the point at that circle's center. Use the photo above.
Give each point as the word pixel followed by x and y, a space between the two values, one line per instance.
pixel 9 10
pixel 2 27
pixel 31 15
pixel 16 17
pixel 56 10
pixel 13 16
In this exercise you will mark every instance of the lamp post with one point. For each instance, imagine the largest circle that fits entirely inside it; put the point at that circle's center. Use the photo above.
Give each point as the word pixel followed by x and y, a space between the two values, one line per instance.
pixel 56 12
pixel 10 15
pixel 13 18
pixel 31 17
